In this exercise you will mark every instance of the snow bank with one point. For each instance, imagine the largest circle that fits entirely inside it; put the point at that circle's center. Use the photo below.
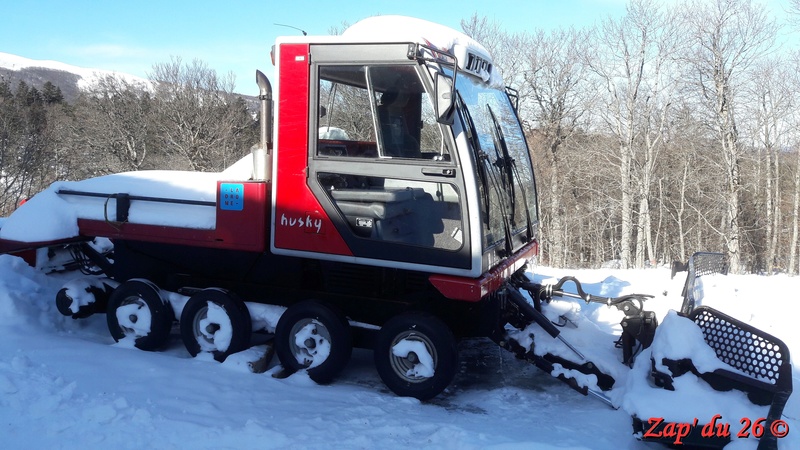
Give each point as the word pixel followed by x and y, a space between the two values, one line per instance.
pixel 44 217
pixel 27 295
pixel 64 383
pixel 394 28
pixel 265 317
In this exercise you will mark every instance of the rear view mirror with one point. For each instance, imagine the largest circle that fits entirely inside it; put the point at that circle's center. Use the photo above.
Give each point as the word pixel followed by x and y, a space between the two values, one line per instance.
pixel 443 98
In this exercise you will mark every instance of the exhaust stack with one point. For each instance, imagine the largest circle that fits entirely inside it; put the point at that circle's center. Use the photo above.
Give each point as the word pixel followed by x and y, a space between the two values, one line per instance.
pixel 262 156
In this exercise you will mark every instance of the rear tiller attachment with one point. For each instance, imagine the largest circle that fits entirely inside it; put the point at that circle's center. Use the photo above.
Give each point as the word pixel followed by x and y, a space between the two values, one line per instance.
pixel 759 367
pixel 750 360
pixel 699 264
pixel 758 364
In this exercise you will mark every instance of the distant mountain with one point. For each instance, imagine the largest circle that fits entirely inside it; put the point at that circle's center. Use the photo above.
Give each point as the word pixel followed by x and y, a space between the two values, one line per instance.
pixel 70 79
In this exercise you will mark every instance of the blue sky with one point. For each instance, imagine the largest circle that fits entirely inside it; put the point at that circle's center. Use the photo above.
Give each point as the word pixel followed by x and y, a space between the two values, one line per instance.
pixel 236 35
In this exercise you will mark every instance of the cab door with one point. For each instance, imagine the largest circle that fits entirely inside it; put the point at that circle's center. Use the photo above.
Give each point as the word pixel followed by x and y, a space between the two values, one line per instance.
pixel 382 168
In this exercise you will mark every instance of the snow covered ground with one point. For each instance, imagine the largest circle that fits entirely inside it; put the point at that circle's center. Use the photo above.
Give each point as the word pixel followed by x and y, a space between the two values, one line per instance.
pixel 64 383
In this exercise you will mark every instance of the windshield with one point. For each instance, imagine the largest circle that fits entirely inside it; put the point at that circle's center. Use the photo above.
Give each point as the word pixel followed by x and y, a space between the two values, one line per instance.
pixel 503 163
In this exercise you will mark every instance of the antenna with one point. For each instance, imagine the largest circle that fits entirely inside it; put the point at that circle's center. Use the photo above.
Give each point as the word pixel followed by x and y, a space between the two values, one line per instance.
pixel 289 26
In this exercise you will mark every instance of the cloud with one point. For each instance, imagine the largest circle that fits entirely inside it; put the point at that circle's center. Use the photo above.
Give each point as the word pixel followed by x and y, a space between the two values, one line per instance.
pixel 110 51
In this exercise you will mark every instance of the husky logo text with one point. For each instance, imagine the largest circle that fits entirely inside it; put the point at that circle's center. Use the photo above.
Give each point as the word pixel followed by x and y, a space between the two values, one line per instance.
pixel 311 225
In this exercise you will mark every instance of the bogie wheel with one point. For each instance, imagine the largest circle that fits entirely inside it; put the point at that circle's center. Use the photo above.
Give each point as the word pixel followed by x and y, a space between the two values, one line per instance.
pixel 95 299
pixel 136 309
pixel 416 355
pixel 215 321
pixel 314 337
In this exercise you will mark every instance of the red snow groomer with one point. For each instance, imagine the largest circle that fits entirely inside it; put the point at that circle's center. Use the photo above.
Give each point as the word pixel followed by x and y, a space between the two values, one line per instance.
pixel 390 205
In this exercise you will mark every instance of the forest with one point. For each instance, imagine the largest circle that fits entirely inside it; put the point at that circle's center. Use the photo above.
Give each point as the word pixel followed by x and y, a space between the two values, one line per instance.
pixel 186 117
pixel 670 130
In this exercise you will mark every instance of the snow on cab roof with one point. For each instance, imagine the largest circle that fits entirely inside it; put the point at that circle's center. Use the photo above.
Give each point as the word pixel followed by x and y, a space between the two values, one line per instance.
pixel 402 28
pixel 472 56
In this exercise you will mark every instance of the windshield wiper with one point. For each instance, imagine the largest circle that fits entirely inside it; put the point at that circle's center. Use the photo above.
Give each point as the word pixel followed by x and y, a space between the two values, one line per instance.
pixel 499 186
pixel 528 221
pixel 480 156
pixel 509 166
pixel 503 162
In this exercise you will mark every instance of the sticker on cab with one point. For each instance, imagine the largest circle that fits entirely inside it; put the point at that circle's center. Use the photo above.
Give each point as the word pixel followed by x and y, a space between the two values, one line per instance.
pixel 231 196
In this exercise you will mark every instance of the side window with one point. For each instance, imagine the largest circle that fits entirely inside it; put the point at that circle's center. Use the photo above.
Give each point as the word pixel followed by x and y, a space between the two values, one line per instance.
pixel 346 126
pixel 380 111
pixel 418 213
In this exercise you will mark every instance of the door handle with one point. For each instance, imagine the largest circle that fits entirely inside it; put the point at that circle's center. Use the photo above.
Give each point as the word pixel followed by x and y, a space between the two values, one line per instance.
pixel 437 172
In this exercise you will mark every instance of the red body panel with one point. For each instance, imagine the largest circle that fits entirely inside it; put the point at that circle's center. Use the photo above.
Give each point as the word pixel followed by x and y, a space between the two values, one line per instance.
pixel 300 223
pixel 18 247
pixel 474 289
pixel 27 250
pixel 242 227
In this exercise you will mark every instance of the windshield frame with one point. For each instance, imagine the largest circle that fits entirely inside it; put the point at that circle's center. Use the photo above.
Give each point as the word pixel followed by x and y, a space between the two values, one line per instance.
pixel 504 159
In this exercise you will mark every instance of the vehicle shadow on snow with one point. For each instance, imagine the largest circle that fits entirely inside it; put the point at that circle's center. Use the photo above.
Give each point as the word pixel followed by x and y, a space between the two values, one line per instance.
pixel 483 366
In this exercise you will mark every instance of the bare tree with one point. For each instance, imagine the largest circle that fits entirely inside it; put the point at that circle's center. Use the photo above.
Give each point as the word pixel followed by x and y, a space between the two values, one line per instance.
pixel 632 59
pixel 23 143
pixel 794 17
pixel 795 213
pixel 200 117
pixel 728 36
pixel 336 30
pixel 507 50
pixel 554 80
pixel 792 150
pixel 769 116
pixel 676 181
pixel 793 13
pixel 114 122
